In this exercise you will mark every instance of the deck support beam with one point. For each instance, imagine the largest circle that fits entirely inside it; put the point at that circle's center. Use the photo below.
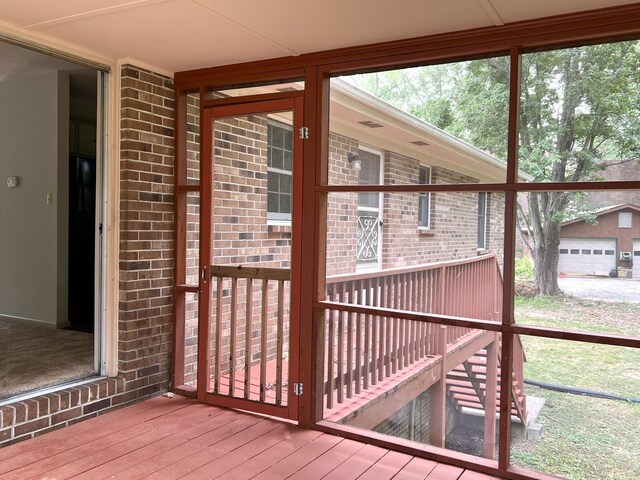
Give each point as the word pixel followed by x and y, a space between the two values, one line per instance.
pixel 438 424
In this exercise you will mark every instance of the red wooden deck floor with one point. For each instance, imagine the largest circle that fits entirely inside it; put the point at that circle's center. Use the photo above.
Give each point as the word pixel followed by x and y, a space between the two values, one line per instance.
pixel 167 438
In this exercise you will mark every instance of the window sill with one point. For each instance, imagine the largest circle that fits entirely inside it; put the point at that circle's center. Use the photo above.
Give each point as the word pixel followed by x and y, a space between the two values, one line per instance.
pixel 427 232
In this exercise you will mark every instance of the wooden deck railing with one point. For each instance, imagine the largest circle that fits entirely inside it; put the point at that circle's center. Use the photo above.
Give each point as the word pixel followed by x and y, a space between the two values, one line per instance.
pixel 362 350
pixel 249 323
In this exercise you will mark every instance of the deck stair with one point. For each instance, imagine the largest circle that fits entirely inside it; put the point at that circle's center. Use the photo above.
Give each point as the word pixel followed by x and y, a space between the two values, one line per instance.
pixel 466 386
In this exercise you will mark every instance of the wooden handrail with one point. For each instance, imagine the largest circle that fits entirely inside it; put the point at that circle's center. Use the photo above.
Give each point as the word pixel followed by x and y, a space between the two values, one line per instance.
pixel 363 348
pixel 254 273
pixel 414 268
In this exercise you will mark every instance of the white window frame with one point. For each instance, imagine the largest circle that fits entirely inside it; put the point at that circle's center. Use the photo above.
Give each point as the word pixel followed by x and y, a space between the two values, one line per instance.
pixel 423 195
pixel 485 196
pixel 368 267
pixel 625 220
pixel 279 218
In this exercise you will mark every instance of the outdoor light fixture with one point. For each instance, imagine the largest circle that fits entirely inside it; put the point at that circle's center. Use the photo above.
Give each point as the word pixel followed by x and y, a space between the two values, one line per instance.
pixel 354 160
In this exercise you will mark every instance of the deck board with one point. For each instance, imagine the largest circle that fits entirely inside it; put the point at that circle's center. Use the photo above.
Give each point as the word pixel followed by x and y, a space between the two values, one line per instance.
pixel 167 438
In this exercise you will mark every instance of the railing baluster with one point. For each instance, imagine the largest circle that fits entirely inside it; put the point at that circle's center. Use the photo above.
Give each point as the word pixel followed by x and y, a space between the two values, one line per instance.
pixel 397 327
pixel 263 340
pixel 415 342
pixel 247 338
pixel 340 366
pixel 381 329
pixel 374 332
pixel 388 324
pixel 407 324
pixel 279 340
pixel 358 355
pixel 349 379
pixel 218 348
pixel 232 327
pixel 330 357
pixel 366 295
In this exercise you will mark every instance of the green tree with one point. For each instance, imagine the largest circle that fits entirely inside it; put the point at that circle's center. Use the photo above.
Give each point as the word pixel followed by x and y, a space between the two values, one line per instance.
pixel 579 111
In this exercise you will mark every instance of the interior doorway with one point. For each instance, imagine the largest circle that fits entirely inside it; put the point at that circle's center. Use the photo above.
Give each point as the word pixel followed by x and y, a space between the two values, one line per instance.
pixel 50 195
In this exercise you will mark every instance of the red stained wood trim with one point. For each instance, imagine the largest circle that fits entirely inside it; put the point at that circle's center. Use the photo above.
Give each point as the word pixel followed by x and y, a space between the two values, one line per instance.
pixel 187 288
pixel 248 405
pixel 605 339
pixel 251 98
pixel 241 271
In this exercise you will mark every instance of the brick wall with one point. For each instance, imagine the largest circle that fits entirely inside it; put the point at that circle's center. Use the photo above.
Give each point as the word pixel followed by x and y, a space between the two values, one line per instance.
pixel 146 270
pixel 146 232
pixel 193 239
pixel 45 413
pixel 454 215
pixel 341 208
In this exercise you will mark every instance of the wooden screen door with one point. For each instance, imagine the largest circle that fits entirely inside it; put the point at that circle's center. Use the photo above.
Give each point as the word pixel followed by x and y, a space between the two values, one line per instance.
pixel 249 256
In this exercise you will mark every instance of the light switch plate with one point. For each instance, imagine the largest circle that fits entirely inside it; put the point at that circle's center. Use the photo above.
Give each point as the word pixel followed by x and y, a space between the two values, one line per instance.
pixel 12 182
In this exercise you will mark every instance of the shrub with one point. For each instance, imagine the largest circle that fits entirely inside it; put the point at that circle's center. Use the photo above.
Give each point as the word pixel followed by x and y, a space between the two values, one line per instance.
pixel 524 268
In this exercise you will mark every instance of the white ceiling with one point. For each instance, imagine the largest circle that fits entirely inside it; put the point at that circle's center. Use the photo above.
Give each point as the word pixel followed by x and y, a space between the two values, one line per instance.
pixel 175 35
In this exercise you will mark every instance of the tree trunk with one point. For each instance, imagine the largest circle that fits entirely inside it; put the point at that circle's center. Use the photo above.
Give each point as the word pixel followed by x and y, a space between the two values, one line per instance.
pixel 546 257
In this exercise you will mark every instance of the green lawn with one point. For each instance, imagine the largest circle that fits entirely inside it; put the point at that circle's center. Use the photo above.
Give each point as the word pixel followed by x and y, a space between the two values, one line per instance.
pixel 584 438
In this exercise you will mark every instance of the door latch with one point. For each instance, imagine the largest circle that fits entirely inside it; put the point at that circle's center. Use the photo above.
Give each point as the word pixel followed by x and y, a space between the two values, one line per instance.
pixel 303 133
pixel 297 389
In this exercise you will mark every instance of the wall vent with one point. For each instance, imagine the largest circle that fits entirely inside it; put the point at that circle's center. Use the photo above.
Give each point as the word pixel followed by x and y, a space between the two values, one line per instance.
pixel 370 124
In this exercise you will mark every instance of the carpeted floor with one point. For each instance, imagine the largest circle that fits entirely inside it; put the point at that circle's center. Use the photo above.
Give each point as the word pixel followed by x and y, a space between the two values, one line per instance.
pixel 33 356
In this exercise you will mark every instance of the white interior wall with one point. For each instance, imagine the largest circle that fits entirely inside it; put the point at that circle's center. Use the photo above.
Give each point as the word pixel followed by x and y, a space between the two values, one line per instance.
pixel 34 147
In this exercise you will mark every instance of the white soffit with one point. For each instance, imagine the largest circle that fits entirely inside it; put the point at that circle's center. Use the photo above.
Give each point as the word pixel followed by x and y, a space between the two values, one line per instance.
pixel 175 35
pixel 516 10
pixel 340 23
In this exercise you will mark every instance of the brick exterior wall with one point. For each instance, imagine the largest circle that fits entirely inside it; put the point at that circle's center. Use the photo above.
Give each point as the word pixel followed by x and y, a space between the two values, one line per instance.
pixel 341 208
pixel 146 232
pixel 193 240
pixel 146 270
pixel 454 215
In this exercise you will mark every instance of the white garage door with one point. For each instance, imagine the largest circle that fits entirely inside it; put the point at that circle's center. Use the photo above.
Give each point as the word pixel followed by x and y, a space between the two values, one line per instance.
pixel 587 255
pixel 636 259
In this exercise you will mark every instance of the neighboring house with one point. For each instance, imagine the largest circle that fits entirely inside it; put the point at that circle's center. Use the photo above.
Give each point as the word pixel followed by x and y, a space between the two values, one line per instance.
pixel 611 243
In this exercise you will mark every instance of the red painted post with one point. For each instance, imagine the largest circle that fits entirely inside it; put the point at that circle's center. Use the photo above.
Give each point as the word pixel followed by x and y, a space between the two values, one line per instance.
pixel 437 427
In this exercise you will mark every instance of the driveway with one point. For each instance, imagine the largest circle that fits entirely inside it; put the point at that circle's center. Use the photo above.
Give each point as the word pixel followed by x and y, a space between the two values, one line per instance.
pixel 605 289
